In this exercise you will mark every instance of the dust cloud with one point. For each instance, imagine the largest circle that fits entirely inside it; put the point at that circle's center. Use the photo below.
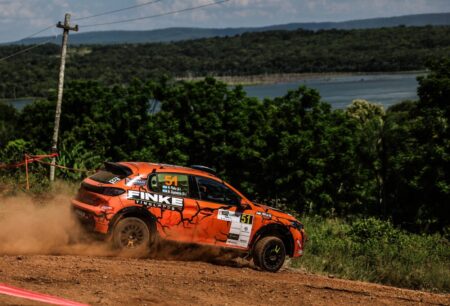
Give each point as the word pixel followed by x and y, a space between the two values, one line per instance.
pixel 44 226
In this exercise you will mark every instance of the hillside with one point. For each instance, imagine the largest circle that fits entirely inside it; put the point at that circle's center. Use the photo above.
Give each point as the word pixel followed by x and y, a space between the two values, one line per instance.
pixel 185 33
pixel 300 51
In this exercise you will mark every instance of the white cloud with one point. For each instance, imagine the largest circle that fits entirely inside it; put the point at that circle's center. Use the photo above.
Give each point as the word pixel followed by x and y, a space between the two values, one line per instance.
pixel 19 18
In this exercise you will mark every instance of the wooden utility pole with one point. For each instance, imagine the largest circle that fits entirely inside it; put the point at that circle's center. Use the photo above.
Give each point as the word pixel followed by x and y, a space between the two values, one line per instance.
pixel 66 28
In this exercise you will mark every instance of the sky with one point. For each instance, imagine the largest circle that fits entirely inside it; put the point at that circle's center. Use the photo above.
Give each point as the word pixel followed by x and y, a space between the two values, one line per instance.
pixel 22 18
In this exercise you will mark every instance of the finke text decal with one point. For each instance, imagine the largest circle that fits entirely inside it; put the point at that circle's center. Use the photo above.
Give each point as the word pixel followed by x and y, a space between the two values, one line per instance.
pixel 155 200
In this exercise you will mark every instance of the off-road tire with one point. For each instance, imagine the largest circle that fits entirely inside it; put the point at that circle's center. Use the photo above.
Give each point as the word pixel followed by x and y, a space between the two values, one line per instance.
pixel 131 234
pixel 269 253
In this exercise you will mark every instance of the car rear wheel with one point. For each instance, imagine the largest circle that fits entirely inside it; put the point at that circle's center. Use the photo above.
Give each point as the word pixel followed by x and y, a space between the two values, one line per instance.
pixel 269 253
pixel 131 234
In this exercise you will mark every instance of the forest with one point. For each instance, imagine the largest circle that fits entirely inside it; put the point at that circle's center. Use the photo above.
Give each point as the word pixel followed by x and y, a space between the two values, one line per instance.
pixel 34 74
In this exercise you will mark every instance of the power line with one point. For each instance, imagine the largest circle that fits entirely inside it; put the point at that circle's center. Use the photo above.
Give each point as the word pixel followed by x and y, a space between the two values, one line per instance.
pixel 118 10
pixel 38 32
pixel 32 47
pixel 154 16
pixel 112 22
pixel 27 49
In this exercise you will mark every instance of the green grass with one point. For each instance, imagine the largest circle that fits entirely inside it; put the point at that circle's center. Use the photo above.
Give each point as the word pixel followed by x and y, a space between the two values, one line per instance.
pixel 373 250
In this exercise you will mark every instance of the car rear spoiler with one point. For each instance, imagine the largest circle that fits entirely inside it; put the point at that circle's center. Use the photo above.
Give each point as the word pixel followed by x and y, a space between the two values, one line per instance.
pixel 118 169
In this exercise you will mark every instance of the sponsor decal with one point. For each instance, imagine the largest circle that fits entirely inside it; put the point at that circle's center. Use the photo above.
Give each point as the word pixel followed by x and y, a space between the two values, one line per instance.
pixel 173 190
pixel 233 236
pixel 240 228
pixel 171 185
pixel 135 181
pixel 264 215
pixel 114 180
pixel 155 200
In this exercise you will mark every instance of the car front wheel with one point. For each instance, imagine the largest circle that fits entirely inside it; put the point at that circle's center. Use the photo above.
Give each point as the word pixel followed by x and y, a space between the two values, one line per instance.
pixel 269 253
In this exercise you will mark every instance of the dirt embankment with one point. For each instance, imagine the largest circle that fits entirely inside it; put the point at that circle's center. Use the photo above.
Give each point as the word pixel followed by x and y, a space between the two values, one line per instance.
pixel 42 249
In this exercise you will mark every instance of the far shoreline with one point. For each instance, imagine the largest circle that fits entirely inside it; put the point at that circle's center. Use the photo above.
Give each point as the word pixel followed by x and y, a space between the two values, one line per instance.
pixel 263 79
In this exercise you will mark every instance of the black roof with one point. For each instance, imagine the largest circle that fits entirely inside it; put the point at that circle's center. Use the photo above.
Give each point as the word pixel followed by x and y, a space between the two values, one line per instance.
pixel 204 168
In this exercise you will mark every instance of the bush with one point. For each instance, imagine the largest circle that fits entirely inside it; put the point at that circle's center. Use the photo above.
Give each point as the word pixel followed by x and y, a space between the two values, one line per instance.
pixel 373 250
pixel 14 153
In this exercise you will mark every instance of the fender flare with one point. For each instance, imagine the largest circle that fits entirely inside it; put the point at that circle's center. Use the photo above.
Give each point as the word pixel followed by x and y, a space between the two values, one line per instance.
pixel 278 230
pixel 134 211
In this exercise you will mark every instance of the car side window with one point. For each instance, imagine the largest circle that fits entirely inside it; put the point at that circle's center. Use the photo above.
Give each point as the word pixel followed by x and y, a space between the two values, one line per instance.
pixel 169 183
pixel 212 191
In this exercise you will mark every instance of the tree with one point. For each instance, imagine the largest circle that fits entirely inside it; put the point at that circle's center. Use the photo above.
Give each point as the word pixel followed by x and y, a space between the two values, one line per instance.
pixel 368 135
pixel 8 123
pixel 418 144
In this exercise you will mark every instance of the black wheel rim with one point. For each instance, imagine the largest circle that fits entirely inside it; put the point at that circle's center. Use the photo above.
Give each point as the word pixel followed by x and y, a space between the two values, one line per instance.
pixel 273 256
pixel 132 236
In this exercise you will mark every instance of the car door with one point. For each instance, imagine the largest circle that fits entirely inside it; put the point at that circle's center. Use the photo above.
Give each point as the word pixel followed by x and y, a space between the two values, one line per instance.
pixel 170 202
pixel 221 220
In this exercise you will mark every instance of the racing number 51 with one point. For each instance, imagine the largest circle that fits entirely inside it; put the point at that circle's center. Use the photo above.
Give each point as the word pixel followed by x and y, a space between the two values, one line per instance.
pixel 247 219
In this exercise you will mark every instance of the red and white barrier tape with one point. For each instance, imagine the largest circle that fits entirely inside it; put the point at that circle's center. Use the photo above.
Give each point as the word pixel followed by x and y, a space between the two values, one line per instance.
pixel 30 295
pixel 28 159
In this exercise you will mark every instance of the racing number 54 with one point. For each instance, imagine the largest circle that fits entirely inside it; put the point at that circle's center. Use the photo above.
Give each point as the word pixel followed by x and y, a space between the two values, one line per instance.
pixel 171 180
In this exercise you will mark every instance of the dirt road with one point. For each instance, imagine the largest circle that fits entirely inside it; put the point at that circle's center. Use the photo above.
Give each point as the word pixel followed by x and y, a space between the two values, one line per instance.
pixel 131 281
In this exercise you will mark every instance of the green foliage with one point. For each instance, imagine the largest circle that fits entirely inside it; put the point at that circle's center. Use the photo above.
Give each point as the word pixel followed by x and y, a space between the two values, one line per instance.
pixel 363 230
pixel 368 128
pixel 434 89
pixel 417 150
pixel 8 123
pixel 299 51
pixel 14 153
pixel 80 159
pixel 373 250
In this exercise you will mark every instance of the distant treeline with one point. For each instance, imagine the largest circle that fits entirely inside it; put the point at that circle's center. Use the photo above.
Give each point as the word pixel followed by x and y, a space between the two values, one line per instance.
pixel 387 49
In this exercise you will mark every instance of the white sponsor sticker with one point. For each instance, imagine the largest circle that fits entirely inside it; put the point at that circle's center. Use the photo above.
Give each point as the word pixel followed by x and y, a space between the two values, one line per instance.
pixel 240 228
pixel 114 180
pixel 136 181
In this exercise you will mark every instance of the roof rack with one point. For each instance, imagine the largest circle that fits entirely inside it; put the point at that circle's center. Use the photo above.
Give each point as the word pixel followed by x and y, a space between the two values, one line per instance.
pixel 204 168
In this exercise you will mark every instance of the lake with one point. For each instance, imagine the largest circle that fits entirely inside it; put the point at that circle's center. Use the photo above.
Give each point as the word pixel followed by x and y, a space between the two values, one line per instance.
pixel 19 103
pixel 340 91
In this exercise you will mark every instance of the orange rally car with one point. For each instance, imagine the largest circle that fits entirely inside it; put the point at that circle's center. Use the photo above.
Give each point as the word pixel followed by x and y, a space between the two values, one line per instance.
pixel 134 203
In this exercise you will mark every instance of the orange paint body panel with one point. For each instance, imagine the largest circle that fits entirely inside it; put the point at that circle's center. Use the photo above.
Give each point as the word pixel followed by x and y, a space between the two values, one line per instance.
pixel 184 204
